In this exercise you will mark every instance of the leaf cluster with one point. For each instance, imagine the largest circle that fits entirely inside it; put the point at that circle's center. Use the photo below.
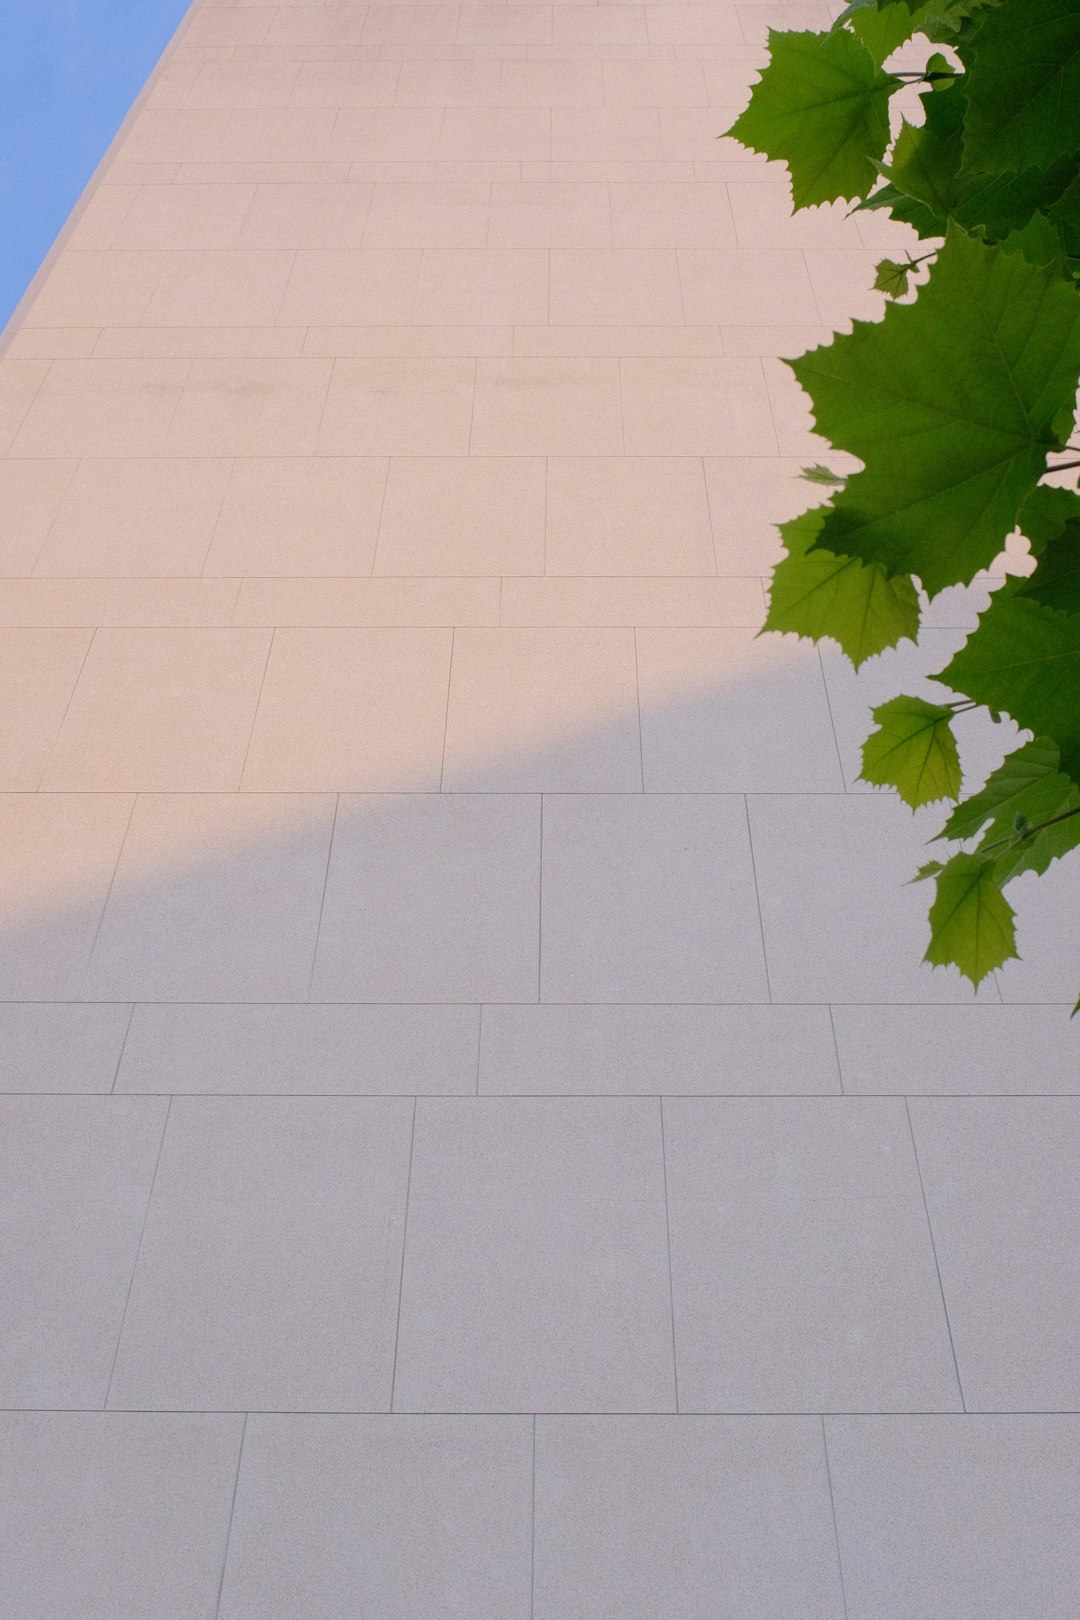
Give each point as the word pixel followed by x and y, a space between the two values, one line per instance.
pixel 958 404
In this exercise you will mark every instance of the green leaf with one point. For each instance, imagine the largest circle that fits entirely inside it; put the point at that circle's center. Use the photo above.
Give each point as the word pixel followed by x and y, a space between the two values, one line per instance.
pixel 817 474
pixel 913 750
pixel 1000 203
pixel 1028 782
pixel 945 18
pixel 928 870
pixel 1027 790
pixel 971 922
pixel 822 107
pixel 951 403
pixel 1023 76
pixel 1056 580
pixel 1039 242
pixel 926 158
pixel 1046 513
pixel 884 31
pixel 892 278
pixel 855 604
pixel 1024 660
pixel 903 208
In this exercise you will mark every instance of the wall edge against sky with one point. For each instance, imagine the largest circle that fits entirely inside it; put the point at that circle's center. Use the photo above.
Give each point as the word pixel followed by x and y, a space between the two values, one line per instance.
pixel 108 157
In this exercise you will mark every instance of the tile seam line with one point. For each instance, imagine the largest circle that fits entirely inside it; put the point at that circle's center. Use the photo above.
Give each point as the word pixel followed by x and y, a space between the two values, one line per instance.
pixel 232 1513
pixel 17 318
pixel 67 708
pixel 112 883
pixel 715 1414
pixel 322 906
pixel 671 1273
pixel 933 1249
pixel 401 1271
pixel 832 1515
pixel 120 1059
pixel 138 1251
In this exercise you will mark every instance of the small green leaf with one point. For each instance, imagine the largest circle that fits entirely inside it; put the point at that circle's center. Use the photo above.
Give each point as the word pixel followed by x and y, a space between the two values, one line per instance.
pixel 822 107
pixel 913 750
pixel 892 278
pixel 971 922
pixel 817 595
pixel 928 870
pixel 942 69
pixel 817 474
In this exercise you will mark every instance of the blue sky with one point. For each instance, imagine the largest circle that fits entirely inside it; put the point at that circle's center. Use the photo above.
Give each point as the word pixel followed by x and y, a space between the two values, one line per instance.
pixel 69 71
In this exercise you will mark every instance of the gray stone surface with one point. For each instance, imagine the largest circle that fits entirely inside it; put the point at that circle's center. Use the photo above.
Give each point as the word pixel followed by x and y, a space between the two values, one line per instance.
pixel 268 1273
pixel 649 898
pixel 400 1517
pixel 75 1177
pixel 114 1515
pixel 971 1517
pixel 1002 1178
pixel 696 1517
pixel 536 1273
pixel 301 1049
pixel 802 1268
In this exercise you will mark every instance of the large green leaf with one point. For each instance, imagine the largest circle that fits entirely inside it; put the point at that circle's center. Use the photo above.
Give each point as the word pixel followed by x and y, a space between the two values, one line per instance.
pixel 1023 659
pixel 856 604
pixel 952 404
pixel 822 107
pixel 1023 77
pixel 913 750
pixel 971 922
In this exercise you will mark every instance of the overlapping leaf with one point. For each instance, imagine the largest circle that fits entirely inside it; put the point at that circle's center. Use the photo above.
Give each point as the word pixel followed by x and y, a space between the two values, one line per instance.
pixel 952 403
pixel 857 604
pixel 1024 812
pixel 1023 64
pixel 822 107
pixel 1024 660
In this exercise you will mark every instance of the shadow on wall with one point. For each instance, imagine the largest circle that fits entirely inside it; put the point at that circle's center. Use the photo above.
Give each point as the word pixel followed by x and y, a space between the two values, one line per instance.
pixel 743 871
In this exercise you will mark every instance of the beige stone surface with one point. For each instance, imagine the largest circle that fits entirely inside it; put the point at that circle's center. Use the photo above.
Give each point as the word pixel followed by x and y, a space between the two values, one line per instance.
pixel 520 987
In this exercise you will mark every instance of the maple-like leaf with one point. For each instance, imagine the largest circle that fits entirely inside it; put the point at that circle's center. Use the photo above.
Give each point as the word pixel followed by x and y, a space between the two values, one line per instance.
pixel 971 922
pixel 855 604
pixel 892 278
pixel 822 107
pixel 913 750
pixel 952 403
